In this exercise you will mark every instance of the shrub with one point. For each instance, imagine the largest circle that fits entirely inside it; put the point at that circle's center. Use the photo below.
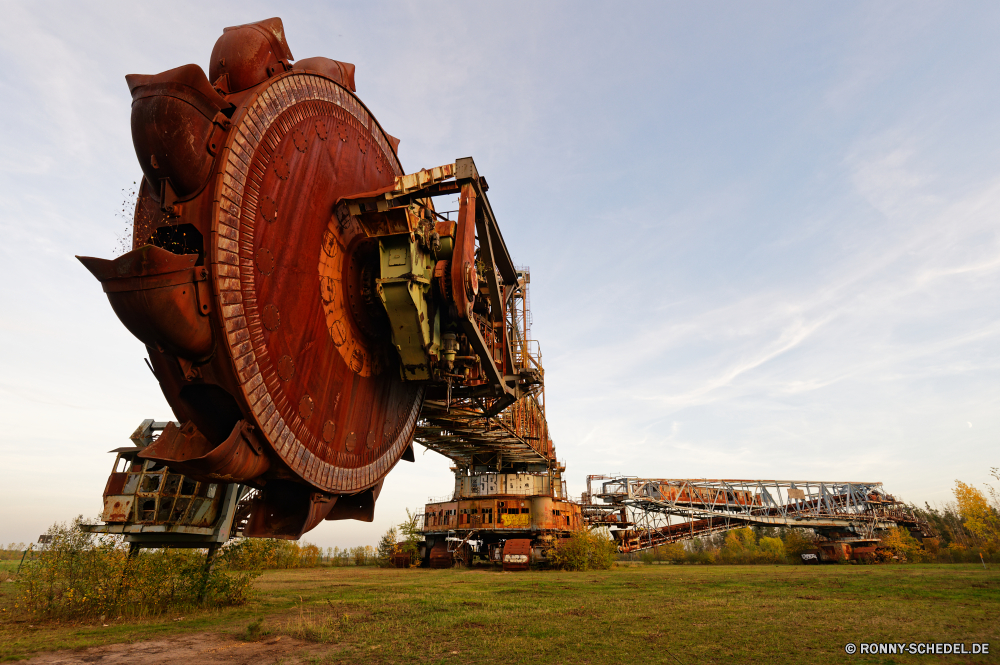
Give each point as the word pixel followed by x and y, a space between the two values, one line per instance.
pixel 671 553
pixel 13 552
pixel 249 554
pixel 261 553
pixel 79 575
pixel 254 630
pixel 898 545
pixel 585 550
pixel 741 547
pixel 798 541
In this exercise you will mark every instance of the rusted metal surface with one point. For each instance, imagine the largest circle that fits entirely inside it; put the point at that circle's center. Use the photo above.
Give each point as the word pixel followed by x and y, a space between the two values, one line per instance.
pixel 309 314
pixel 516 554
pixel 161 297
pixel 463 428
pixel 151 505
pixel 508 480
pixel 149 493
pixel 340 72
pixel 865 550
pixel 440 556
pixel 247 55
pixel 503 514
pixel 237 459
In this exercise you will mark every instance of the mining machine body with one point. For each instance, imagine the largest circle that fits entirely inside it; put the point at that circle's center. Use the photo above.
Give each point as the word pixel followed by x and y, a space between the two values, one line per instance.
pixel 515 519
pixel 300 298
pixel 509 503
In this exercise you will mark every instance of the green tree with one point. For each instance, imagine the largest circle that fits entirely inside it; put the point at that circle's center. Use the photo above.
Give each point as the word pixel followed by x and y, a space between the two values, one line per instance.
pixel 897 544
pixel 742 546
pixel 361 555
pixel 980 518
pixel 413 536
pixel 771 550
pixel 797 541
pixel 739 546
pixel 387 548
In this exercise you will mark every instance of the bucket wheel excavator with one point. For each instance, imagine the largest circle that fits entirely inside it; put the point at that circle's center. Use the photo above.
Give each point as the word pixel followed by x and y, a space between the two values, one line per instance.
pixel 298 294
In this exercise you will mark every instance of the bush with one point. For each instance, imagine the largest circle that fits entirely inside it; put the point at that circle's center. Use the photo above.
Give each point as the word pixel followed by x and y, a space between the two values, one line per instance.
pixel 741 547
pixel 585 550
pixel 13 552
pixel 261 553
pixel 898 545
pixel 797 542
pixel 80 575
pixel 674 553
pixel 249 554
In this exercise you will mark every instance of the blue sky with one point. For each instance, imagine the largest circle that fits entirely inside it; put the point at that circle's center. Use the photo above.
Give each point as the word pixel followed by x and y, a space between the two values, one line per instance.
pixel 763 236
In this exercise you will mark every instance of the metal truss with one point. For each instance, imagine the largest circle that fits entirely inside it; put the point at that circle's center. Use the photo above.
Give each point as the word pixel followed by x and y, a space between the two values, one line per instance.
pixel 509 429
pixel 464 428
pixel 657 511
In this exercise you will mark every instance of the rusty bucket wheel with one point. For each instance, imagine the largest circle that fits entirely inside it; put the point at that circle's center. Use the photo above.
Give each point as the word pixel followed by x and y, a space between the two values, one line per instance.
pixel 257 304
pixel 292 283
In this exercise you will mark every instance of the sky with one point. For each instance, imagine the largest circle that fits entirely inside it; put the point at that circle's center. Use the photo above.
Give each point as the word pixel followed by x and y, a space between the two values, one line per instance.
pixel 763 236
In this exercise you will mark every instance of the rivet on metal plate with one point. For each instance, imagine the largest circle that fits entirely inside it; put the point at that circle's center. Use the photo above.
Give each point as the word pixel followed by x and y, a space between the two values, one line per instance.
pixel 280 167
pixel 286 368
pixel 271 319
pixel 269 208
pixel 305 407
pixel 265 261
pixel 300 140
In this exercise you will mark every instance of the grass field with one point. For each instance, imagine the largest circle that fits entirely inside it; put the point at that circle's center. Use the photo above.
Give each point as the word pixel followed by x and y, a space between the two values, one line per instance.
pixel 655 614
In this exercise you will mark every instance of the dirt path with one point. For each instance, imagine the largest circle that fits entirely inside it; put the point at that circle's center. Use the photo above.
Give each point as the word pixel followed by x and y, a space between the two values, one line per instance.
pixel 190 649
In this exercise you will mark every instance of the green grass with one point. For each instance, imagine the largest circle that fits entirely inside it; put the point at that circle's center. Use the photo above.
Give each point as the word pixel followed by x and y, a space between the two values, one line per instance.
pixel 669 614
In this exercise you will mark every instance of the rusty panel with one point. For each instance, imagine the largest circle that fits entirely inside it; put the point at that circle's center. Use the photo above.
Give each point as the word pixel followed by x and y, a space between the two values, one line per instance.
pixel 115 484
pixel 440 557
pixel 117 508
pixel 517 554
pixel 331 365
